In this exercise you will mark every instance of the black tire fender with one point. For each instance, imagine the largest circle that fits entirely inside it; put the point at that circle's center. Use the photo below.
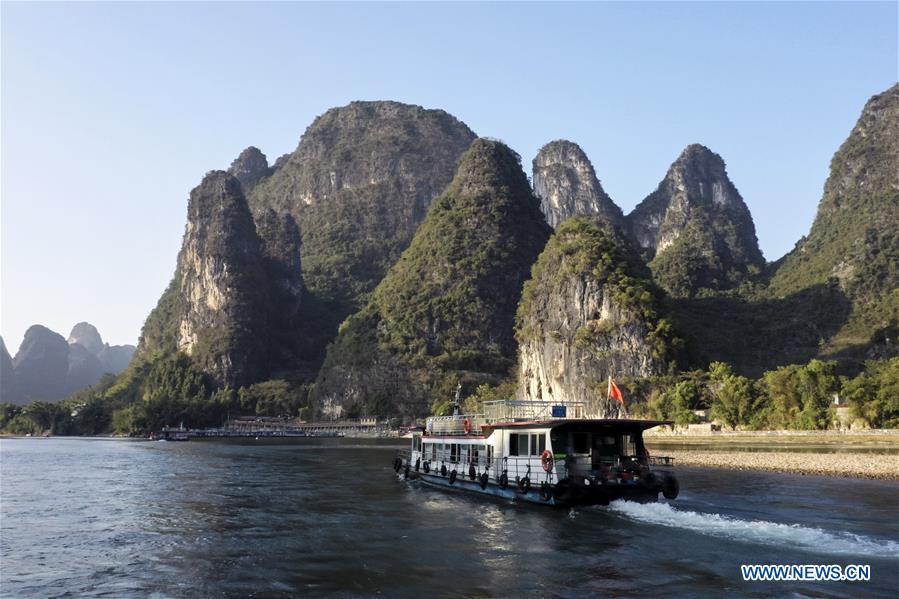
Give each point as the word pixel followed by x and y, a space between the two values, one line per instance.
pixel 443 470
pixel 427 467
pixel 417 464
pixel 524 485
pixel 472 473
pixel 484 479
pixel 503 480
pixel 670 487
pixel 452 477
pixel 406 472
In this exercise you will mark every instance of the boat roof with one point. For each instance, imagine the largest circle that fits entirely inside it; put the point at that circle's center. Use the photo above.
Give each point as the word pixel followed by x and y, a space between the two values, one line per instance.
pixel 625 423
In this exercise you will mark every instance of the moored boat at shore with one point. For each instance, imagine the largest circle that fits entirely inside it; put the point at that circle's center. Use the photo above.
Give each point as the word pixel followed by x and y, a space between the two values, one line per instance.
pixel 539 452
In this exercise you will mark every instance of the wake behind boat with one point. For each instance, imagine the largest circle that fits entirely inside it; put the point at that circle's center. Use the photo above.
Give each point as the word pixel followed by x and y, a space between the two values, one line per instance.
pixel 539 452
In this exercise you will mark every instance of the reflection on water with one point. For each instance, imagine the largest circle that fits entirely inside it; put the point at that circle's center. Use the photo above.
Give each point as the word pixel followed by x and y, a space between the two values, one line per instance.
pixel 120 518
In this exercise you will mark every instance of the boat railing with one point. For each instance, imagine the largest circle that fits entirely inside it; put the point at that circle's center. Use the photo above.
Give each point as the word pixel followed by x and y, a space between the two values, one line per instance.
pixel 661 460
pixel 456 424
pixel 515 410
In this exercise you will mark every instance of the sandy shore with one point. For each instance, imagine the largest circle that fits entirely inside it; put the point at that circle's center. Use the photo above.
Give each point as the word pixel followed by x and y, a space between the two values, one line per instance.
pixel 858 465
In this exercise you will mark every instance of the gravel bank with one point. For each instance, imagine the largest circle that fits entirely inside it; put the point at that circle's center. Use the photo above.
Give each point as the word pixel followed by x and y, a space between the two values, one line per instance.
pixel 880 466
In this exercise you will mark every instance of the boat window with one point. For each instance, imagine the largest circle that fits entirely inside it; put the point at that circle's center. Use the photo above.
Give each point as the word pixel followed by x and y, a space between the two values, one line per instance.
pixel 538 444
pixel 513 444
pixel 454 453
pixel 416 442
pixel 489 455
pixel 433 452
pixel 629 446
pixel 523 441
pixel 580 442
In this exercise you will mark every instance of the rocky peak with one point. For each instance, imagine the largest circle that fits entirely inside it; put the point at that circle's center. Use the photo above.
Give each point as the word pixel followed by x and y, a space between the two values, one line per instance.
pixel 358 185
pixel 86 335
pixel 588 312
pixel 696 228
pixel 250 167
pixel 567 185
pixel 222 283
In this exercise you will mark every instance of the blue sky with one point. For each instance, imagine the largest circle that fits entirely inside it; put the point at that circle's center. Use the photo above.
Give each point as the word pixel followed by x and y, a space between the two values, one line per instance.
pixel 111 113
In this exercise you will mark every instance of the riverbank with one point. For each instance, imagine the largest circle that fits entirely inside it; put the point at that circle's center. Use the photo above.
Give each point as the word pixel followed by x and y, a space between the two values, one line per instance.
pixel 854 465
pixel 863 454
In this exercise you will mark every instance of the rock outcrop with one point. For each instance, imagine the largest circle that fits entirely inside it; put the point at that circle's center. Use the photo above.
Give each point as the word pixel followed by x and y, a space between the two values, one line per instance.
pixel 589 312
pixel 854 241
pixel 694 229
pixel 567 186
pixel 250 167
pixel 444 312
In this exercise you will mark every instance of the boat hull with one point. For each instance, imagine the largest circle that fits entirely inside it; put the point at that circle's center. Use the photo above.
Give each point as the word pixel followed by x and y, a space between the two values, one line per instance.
pixel 573 495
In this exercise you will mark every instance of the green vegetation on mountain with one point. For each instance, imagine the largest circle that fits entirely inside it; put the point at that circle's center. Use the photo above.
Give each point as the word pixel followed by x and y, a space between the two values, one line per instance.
pixel 445 311
pixel 695 230
pixel 359 184
pixel 581 249
pixel 854 241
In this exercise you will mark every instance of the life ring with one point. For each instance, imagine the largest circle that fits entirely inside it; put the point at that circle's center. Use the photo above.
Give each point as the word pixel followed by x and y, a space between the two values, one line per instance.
pixel 503 480
pixel 452 478
pixel 466 426
pixel 546 460
pixel 427 467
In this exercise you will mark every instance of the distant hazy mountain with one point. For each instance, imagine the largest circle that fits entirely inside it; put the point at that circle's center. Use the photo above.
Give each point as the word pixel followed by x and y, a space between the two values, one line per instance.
pixel 47 368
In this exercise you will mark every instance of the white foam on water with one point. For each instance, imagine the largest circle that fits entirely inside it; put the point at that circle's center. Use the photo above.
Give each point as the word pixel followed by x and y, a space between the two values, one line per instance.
pixel 811 539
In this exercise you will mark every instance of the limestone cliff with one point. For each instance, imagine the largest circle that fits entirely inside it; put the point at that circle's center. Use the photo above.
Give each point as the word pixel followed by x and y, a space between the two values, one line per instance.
pixel 222 321
pixel 589 312
pixel 695 229
pixel 445 312
pixel 567 186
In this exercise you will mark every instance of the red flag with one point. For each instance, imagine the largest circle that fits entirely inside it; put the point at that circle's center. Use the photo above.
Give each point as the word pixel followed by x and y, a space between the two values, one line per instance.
pixel 615 392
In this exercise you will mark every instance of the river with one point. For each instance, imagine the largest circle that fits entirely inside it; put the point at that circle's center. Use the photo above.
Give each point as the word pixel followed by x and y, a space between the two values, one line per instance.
pixel 117 518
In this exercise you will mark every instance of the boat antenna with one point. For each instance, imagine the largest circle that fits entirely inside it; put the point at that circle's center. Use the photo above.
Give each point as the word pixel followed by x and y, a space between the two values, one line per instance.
pixel 457 403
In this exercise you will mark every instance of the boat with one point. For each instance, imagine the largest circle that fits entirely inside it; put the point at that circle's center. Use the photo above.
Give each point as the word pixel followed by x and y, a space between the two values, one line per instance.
pixel 539 452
